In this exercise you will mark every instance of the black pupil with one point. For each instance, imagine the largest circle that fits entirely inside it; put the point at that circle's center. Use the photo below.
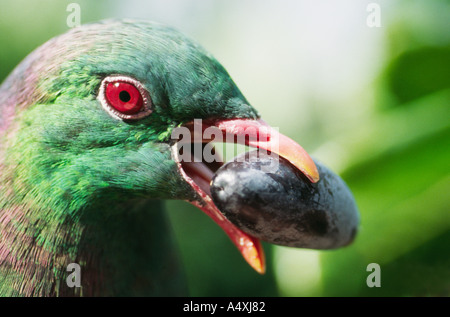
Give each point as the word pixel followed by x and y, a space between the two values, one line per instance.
pixel 124 96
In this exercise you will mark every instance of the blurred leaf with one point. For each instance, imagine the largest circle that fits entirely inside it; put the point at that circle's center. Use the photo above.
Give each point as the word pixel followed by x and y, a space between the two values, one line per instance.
pixel 399 172
pixel 404 204
pixel 388 131
pixel 422 272
pixel 419 72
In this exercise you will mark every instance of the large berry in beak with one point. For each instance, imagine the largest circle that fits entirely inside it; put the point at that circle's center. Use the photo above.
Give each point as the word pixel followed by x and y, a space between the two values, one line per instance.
pixel 281 206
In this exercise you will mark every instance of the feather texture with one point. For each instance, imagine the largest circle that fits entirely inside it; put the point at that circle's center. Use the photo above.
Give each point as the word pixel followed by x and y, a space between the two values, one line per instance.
pixel 77 185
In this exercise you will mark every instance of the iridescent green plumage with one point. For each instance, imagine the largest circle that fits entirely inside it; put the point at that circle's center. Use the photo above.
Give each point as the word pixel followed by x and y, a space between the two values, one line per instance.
pixel 77 185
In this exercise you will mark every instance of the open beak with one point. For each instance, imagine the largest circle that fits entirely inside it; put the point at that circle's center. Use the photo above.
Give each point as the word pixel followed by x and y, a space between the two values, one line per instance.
pixel 199 172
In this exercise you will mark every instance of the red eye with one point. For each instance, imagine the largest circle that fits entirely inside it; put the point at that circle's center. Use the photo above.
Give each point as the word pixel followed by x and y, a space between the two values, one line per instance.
pixel 124 97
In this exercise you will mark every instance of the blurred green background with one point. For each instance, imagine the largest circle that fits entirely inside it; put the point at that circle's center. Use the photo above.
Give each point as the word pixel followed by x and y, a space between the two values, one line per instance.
pixel 372 103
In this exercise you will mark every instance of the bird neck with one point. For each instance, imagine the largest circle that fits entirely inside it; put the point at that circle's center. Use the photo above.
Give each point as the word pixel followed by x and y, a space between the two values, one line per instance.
pixel 119 249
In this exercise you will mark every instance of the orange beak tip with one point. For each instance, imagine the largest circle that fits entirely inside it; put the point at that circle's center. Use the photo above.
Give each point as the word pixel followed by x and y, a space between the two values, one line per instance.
pixel 254 255
pixel 314 175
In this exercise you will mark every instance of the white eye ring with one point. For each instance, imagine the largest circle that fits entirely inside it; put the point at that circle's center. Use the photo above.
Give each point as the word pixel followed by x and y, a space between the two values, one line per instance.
pixel 146 100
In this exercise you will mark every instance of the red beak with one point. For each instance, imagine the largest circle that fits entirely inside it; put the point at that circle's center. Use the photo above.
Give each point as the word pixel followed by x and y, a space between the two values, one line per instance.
pixel 254 133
